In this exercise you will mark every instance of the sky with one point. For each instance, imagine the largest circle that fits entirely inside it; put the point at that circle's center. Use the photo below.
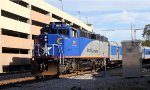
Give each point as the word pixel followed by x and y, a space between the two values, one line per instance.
pixel 111 18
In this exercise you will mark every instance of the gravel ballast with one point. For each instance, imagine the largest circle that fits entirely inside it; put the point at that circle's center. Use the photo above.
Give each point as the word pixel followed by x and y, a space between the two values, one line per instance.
pixel 110 80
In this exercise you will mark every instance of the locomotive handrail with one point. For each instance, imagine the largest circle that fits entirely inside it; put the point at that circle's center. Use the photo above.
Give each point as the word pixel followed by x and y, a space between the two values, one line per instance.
pixel 46 51
pixel 60 52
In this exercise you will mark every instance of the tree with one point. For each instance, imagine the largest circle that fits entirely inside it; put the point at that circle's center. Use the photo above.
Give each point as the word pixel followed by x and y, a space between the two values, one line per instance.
pixel 146 43
pixel 146 35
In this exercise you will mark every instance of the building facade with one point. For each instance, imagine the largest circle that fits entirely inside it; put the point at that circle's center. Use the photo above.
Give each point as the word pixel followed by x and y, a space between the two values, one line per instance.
pixel 20 22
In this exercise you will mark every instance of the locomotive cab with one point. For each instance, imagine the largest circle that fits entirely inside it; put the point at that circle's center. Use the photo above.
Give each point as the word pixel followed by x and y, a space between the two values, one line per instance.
pixel 51 40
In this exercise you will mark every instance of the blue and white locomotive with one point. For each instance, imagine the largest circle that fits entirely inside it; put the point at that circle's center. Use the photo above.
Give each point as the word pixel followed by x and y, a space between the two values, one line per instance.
pixel 61 48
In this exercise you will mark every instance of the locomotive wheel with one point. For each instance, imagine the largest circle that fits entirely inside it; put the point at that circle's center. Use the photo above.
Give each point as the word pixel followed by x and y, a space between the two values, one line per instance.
pixel 37 77
pixel 56 76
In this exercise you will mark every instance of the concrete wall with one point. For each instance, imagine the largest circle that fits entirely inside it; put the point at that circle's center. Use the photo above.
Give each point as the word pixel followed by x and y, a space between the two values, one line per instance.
pixel 35 29
pixel 0 44
pixel 60 13
pixel 40 17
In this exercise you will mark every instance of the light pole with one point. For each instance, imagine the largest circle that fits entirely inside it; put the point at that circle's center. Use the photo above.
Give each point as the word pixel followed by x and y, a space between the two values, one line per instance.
pixel 135 33
pixel 132 26
pixel 61 4
pixel 79 15
pixel 86 19
pixel 131 33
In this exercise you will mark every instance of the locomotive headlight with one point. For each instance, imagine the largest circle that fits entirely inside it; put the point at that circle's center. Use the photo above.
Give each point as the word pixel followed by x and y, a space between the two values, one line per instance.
pixel 45 37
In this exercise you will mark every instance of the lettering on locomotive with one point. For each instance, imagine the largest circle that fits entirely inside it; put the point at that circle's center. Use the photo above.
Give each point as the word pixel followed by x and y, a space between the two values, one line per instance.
pixel 74 43
pixel 59 40
pixel 91 50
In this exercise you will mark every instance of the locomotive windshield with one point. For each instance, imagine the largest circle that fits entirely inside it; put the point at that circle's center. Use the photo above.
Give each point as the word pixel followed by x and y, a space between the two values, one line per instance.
pixel 54 31
pixel 63 31
pixel 48 31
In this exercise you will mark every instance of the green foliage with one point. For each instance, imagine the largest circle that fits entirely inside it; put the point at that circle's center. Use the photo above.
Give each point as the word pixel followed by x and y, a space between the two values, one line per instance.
pixel 146 35
pixel 146 43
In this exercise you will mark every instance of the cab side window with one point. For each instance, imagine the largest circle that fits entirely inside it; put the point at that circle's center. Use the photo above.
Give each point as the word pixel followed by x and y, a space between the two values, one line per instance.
pixel 74 33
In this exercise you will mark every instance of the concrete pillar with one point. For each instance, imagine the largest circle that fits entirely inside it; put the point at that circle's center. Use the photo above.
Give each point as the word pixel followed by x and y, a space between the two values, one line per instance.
pixel 29 6
pixel 71 24
pixel 30 53
pixel 30 35
pixel 28 21
pixel 49 14
pixel 1 70
pixel 62 20
pixel 0 41
pixel 80 28
pixel 0 34
pixel 30 50
pixel 30 38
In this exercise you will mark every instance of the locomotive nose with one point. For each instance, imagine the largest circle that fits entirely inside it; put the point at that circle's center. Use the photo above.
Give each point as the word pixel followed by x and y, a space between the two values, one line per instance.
pixel 48 45
pixel 54 43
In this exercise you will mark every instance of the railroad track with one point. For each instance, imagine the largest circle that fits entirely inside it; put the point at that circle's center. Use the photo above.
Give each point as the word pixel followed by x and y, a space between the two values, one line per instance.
pixel 30 79
pixel 5 82
pixel 14 75
pixel 27 80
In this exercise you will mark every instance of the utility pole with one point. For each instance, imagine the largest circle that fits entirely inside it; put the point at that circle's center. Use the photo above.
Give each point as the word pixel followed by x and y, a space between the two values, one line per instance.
pixel 79 15
pixel 61 4
pixel 86 19
pixel 131 32
pixel 135 33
